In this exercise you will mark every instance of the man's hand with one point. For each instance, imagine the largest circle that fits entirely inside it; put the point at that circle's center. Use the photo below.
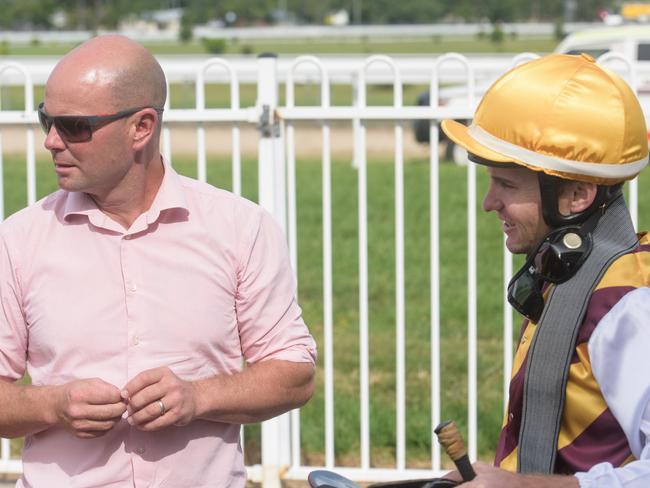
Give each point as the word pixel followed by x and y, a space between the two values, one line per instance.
pixel 88 408
pixel 157 398
pixel 488 476
pixel 147 390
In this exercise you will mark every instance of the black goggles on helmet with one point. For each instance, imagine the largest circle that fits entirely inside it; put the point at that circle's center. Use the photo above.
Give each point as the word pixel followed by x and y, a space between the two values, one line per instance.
pixel 556 259
pixel 79 128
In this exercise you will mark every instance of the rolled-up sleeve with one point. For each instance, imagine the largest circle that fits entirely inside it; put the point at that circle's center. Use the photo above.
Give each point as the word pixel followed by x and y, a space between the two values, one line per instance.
pixel 13 332
pixel 269 317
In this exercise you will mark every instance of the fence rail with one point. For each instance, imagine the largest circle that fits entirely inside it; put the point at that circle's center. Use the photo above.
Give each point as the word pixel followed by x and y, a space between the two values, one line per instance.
pixel 277 162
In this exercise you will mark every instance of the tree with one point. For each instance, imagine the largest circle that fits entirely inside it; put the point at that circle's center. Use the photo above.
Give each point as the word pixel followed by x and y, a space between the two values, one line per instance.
pixel 92 14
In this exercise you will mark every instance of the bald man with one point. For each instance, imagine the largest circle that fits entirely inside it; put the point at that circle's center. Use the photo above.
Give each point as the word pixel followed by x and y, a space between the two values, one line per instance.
pixel 153 313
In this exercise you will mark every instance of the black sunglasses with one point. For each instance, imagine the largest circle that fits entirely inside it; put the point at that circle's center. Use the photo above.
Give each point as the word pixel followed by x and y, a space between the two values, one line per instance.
pixel 79 128
pixel 556 259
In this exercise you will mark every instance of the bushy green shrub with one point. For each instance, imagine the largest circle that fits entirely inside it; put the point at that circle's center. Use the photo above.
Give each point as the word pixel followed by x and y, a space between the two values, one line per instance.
pixel 214 46
pixel 496 36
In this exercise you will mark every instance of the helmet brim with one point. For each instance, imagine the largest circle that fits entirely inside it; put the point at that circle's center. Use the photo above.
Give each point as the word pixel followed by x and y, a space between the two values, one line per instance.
pixel 458 133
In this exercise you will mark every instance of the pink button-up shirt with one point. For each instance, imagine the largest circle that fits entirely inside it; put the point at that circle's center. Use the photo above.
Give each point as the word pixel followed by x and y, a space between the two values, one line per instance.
pixel 200 283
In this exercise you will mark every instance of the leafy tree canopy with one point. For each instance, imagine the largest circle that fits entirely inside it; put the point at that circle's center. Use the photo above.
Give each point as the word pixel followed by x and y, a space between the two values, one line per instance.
pixel 92 14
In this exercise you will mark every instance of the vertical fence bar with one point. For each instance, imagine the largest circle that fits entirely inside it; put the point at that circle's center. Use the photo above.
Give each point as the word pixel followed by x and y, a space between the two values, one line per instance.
pixel 400 306
pixel 327 244
pixel 166 132
pixel 292 226
pixel 634 201
pixel 28 110
pixel 434 273
pixel 6 450
pixel 30 149
pixel 400 302
pixel 31 166
pixel 356 122
pixel 434 264
pixel 234 105
pixel 5 453
pixel 360 150
pixel 507 325
pixel 280 177
pixel 400 368
pixel 471 312
pixel 634 184
pixel 435 236
pixel 236 144
pixel 267 100
pixel 242 442
pixel 201 171
pixel 327 286
pixel 472 349
pixel 360 159
pixel 276 438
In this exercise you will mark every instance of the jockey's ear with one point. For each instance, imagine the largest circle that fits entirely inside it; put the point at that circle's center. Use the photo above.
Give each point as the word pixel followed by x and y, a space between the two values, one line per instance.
pixel 576 196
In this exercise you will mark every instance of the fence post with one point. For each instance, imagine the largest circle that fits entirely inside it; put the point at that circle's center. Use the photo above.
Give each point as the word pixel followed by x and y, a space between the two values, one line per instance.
pixel 276 433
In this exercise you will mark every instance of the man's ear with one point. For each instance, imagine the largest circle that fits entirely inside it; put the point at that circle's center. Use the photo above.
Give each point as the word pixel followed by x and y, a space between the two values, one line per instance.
pixel 145 126
pixel 576 196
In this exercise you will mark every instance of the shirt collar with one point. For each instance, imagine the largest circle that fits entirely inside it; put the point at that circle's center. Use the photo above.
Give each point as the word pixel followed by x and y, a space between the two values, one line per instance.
pixel 169 196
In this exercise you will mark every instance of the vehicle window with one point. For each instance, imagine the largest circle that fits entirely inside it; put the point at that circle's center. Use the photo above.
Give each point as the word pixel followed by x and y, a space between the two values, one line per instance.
pixel 643 53
pixel 594 53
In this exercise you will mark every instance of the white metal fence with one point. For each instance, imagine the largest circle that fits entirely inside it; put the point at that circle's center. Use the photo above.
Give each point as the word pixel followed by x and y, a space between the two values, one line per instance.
pixel 277 160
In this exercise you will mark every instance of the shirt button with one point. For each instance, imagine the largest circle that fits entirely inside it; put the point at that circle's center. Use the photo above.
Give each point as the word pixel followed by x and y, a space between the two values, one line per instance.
pixel 133 287
pixel 128 237
pixel 136 340
pixel 140 450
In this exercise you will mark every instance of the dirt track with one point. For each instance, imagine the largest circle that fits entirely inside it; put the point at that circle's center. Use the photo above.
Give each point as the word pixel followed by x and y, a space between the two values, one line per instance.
pixel 380 141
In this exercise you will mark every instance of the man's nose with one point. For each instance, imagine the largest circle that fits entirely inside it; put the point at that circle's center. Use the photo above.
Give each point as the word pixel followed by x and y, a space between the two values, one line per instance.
pixel 490 200
pixel 53 140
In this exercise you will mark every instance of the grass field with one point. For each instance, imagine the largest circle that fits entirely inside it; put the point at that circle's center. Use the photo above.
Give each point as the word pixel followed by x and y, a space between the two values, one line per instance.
pixel 402 45
pixel 453 272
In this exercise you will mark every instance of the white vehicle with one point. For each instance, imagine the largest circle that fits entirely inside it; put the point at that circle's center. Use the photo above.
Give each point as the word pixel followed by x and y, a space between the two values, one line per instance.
pixel 632 41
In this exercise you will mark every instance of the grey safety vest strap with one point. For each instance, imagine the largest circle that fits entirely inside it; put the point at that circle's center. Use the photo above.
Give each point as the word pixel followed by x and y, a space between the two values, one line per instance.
pixel 553 345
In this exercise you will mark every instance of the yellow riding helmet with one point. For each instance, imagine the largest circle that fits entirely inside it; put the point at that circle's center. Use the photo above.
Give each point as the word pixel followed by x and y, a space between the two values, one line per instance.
pixel 561 114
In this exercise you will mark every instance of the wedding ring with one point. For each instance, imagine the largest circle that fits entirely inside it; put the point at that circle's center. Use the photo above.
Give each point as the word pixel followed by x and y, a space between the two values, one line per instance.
pixel 162 407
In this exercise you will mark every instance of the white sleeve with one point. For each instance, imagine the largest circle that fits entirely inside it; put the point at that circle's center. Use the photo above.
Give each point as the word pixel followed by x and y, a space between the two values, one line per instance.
pixel 619 350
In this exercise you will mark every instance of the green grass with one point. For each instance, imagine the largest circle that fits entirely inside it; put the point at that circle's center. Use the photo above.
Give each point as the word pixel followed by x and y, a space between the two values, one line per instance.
pixel 381 293
pixel 403 45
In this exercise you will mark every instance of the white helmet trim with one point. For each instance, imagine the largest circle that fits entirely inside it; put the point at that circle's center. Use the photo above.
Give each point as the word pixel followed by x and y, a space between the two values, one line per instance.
pixel 542 161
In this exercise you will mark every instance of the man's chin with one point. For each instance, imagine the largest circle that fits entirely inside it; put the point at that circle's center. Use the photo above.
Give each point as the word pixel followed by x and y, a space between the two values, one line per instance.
pixel 516 247
pixel 68 184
